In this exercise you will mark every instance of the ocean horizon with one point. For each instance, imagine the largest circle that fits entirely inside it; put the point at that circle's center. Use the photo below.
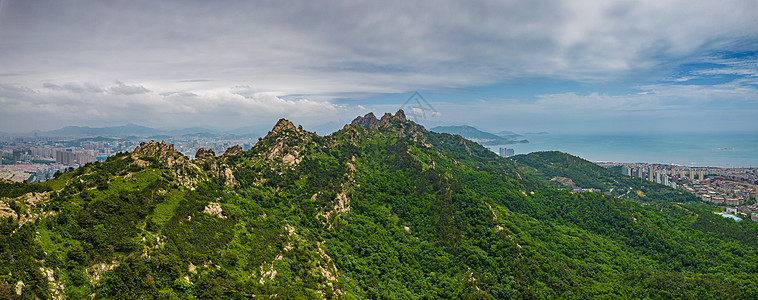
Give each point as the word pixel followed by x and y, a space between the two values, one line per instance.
pixel 727 150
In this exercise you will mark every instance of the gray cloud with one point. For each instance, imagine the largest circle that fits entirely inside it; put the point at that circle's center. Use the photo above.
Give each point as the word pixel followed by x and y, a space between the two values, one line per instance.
pixel 423 43
pixel 122 89
pixel 73 88
pixel 322 52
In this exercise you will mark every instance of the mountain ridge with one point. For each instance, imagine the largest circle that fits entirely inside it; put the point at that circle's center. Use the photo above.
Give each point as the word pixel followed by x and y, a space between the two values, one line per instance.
pixel 370 211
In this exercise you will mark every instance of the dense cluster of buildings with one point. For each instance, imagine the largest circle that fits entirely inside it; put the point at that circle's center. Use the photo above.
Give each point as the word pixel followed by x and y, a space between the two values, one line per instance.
pixel 718 190
pixel 36 159
pixel 727 187
pixel 663 174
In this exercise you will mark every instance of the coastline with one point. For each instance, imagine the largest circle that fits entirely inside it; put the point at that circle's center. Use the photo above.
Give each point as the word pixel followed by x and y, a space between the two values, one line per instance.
pixel 692 149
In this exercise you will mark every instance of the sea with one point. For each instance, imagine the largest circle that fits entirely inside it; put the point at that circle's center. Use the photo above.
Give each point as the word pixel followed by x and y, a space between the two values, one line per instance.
pixel 726 150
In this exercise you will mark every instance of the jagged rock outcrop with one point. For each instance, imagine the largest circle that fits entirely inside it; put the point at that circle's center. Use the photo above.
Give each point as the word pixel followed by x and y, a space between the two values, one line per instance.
pixel 217 166
pixel 203 154
pixel 153 148
pixel 397 123
pixel 186 172
pixel 369 121
pixel 233 150
pixel 165 153
pixel 281 127
pixel 285 142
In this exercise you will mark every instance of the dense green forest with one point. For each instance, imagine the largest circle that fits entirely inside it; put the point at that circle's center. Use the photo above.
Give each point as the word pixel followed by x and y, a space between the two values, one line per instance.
pixel 380 209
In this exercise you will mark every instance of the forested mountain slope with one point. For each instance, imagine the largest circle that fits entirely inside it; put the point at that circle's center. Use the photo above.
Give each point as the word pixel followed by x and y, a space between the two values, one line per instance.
pixel 380 209
pixel 553 168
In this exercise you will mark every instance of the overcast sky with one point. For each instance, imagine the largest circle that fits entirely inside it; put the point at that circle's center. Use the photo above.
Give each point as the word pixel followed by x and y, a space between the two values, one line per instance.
pixel 559 66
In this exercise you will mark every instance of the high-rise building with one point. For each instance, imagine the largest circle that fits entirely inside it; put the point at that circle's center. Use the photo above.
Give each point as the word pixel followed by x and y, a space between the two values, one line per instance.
pixel 651 174
pixel 506 152
pixel 69 157
pixel 83 158
pixel 627 171
pixel 66 157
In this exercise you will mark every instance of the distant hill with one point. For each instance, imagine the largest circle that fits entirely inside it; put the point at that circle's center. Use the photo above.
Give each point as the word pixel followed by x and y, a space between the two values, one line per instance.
pixel 97 139
pixel 204 134
pixel 191 131
pixel 129 129
pixel 244 131
pixel 554 168
pixel 476 135
pixel 508 134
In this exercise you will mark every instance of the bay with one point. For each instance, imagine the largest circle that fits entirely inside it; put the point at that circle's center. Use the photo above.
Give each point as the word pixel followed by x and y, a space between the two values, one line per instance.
pixel 726 149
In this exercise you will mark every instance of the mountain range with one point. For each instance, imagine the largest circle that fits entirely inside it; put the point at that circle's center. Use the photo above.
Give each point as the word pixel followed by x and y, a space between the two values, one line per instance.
pixel 485 138
pixel 382 208
pixel 137 130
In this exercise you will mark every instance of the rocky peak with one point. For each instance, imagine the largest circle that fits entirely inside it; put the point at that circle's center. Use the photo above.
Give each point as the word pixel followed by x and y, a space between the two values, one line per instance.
pixel 283 125
pixel 368 121
pixel 233 150
pixel 153 148
pixel 400 115
pixel 203 154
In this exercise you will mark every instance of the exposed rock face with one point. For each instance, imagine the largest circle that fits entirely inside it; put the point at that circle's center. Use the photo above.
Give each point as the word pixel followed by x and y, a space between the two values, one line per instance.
pixel 400 115
pixel 96 271
pixel 183 170
pixel 369 121
pixel 282 126
pixel 217 166
pixel 203 154
pixel 35 203
pixel 7 212
pixel 214 209
pixel 397 123
pixel 56 287
pixel 153 148
pixel 19 287
pixel 233 150
pixel 285 142
pixel 165 153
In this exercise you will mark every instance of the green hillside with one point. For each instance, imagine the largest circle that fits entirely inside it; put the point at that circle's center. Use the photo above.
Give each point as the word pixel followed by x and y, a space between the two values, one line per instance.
pixel 553 167
pixel 380 209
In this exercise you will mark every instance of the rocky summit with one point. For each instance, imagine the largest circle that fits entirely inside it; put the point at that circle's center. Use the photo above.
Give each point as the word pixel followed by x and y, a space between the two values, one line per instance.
pixel 382 208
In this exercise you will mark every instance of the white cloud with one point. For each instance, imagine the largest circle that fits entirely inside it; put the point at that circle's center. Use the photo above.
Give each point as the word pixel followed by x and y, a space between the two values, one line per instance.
pixel 54 107
pixel 122 89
